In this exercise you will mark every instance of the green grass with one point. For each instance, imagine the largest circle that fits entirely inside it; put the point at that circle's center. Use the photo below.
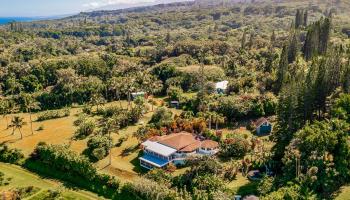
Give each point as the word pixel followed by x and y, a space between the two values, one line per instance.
pixel 242 186
pixel 20 177
pixel 67 195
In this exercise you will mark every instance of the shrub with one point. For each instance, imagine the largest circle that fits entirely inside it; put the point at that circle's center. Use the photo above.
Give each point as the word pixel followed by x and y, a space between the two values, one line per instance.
pixel 53 114
pixel 162 117
pixel 60 162
pixel 24 192
pixel 81 119
pixel 266 185
pixel 208 182
pixel 8 155
pixel 160 176
pixel 98 147
pixel 3 181
pixel 234 147
pixel 148 190
pixel 174 93
pixel 85 129
pixel 40 128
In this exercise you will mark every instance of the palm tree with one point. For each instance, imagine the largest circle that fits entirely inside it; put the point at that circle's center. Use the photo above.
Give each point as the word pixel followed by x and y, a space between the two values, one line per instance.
pixel 30 104
pixel 129 87
pixel 17 123
pixel 153 86
pixel 13 107
pixel 218 119
pixel 116 84
pixel 111 125
pixel 208 116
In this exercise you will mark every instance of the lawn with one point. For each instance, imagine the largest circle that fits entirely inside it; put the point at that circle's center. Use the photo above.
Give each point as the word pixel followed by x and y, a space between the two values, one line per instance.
pixel 242 185
pixel 20 177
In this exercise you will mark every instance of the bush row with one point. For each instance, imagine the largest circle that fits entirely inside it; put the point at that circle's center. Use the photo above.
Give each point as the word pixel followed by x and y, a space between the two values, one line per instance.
pixel 53 114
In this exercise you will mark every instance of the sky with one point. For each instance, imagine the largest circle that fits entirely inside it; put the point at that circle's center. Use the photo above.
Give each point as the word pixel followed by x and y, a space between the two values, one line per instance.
pixel 37 8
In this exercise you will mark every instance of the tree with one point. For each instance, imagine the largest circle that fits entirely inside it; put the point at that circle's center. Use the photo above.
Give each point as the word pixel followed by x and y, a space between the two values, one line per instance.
pixel 67 81
pixel 17 123
pixel 130 86
pixel 111 125
pixel 244 40
pixel 234 147
pixel 4 110
pixel 97 100
pixel 282 69
pixel 346 79
pixel 116 84
pixel 218 119
pixel 299 18
pixel 31 104
pixel 324 160
pixel 168 38
pixel 162 117
pixel 293 48
pixel 208 116
pixel 305 20
pixel 151 85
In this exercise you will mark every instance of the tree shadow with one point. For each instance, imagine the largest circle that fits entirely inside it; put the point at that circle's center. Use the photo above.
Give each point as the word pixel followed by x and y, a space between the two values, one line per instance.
pixel 129 150
pixel 248 189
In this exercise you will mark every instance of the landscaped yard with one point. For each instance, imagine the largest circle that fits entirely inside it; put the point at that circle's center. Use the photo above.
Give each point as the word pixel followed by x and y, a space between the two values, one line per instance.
pixel 22 178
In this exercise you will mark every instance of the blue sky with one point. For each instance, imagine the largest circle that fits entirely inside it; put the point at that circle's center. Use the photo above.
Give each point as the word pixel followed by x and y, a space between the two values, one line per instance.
pixel 25 8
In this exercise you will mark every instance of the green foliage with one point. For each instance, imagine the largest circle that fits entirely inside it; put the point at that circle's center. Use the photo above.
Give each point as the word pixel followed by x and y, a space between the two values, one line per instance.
pixel 8 155
pixel 174 93
pixel 85 129
pixel 209 183
pixel 3 181
pixel 162 117
pixel 293 192
pixel 324 161
pixel 59 162
pixel 160 176
pixel 234 147
pixel 53 114
pixel 266 185
pixel 98 147
pixel 147 189
pixel 341 108
pixel 246 106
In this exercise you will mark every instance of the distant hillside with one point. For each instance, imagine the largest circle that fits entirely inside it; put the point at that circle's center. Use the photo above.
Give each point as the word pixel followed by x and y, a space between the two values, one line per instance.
pixel 120 6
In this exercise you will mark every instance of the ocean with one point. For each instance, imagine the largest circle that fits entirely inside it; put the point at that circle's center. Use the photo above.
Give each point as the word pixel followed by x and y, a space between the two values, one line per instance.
pixel 5 20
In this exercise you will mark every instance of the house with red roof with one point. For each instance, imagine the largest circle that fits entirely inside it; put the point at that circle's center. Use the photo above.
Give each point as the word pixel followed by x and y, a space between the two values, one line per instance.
pixel 175 148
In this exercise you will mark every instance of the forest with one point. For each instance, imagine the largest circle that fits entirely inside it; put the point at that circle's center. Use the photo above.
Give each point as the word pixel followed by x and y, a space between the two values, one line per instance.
pixel 284 61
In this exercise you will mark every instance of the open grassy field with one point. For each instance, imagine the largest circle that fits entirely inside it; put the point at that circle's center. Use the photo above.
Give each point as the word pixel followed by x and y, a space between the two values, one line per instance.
pixel 22 178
